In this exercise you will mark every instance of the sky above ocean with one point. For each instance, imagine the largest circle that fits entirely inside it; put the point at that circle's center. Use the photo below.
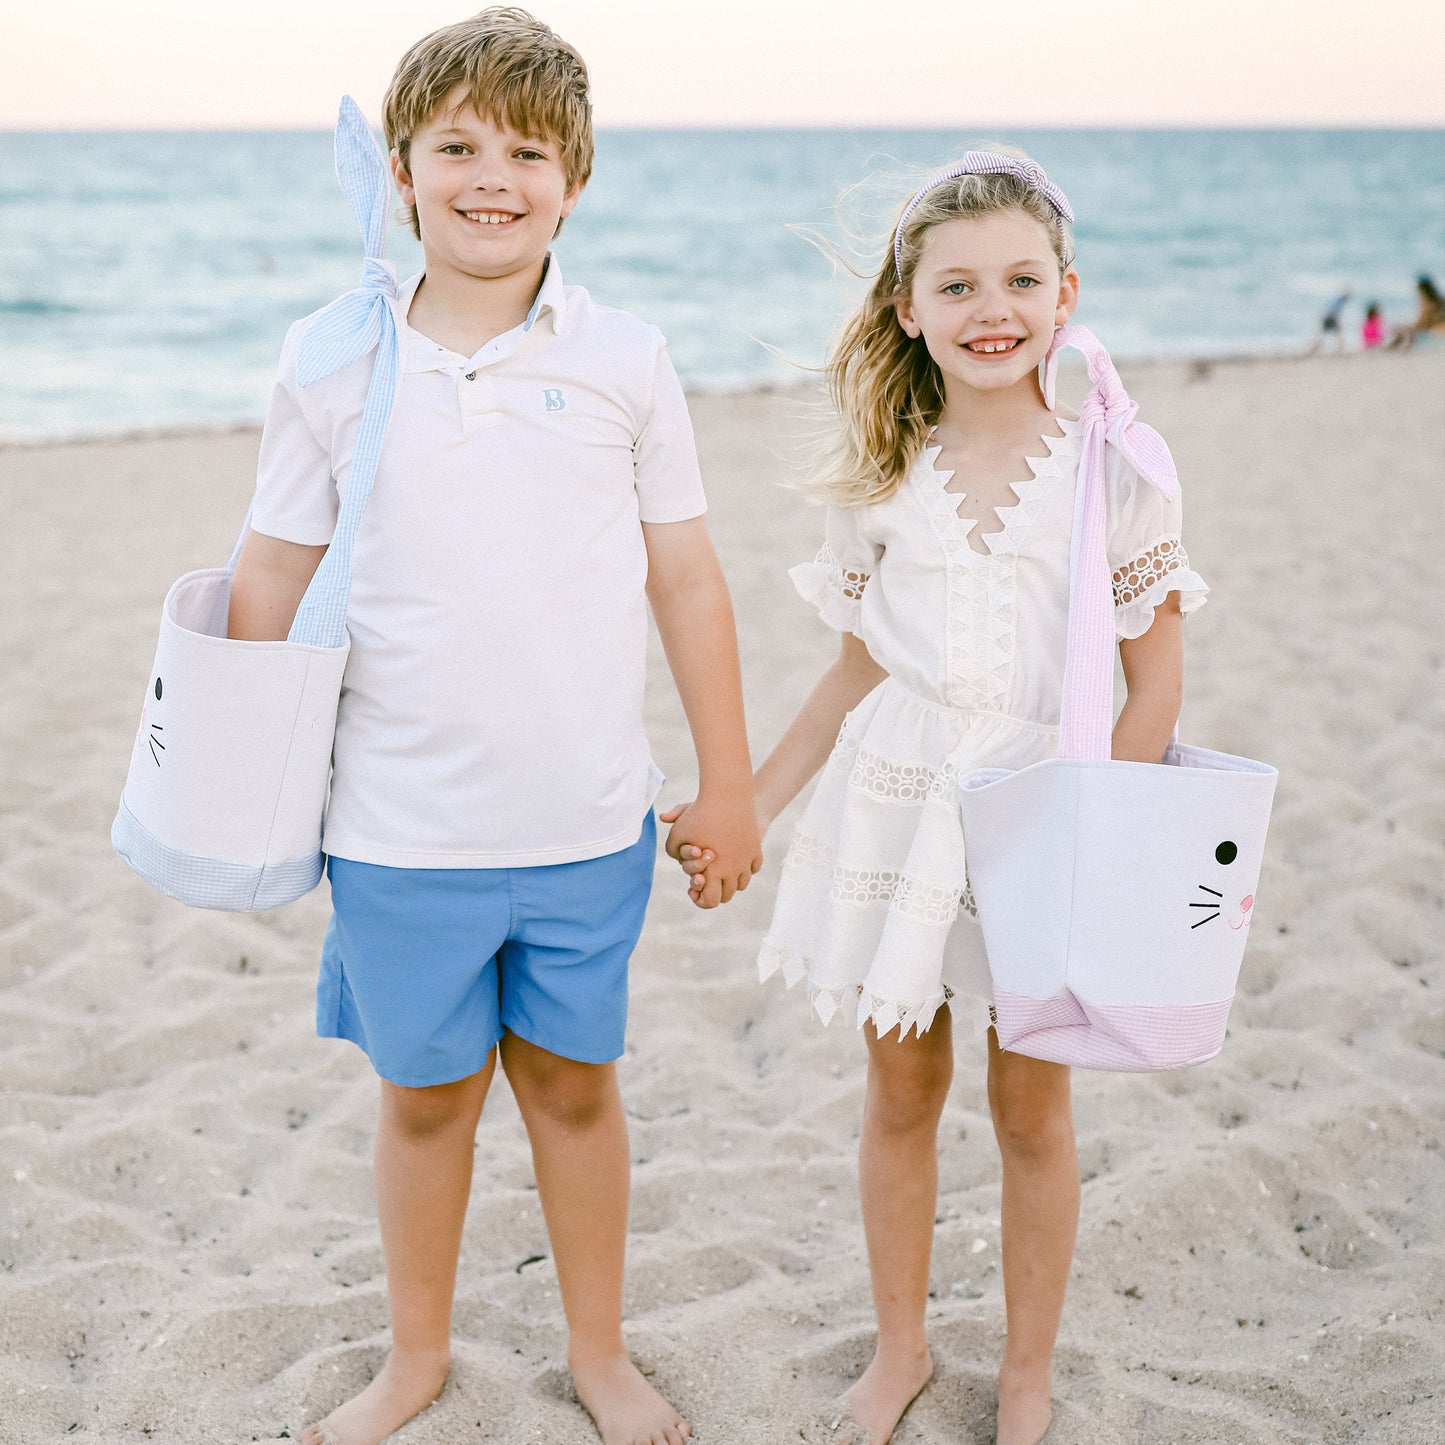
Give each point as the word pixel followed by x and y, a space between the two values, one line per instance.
pixel 94 64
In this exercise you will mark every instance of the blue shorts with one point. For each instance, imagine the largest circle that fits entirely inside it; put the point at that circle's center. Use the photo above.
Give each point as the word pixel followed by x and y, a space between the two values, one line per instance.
pixel 425 967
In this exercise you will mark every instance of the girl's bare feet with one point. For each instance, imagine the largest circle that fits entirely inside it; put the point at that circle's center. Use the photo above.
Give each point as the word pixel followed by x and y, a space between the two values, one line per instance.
pixel 404 1386
pixel 1024 1406
pixel 623 1406
pixel 873 1407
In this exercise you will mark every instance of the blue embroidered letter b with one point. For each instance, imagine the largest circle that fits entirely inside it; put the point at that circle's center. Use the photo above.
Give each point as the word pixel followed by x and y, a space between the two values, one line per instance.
pixel 553 398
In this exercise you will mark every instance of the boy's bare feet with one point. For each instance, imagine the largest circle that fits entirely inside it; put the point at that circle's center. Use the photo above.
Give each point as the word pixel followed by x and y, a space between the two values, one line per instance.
pixel 1025 1407
pixel 404 1386
pixel 623 1406
pixel 872 1408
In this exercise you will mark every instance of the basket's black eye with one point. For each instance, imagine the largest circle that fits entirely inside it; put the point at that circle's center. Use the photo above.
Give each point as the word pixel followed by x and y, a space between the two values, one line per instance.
pixel 1225 853
pixel 158 689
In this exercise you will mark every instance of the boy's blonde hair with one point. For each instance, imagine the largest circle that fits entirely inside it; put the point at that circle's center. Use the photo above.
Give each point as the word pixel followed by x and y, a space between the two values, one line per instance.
pixel 885 386
pixel 516 72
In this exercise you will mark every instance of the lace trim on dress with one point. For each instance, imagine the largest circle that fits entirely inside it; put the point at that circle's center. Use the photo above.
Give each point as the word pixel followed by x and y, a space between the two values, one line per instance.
pixel 982 601
pixel 836 591
pixel 1134 579
pixel 810 853
pixel 841 579
pixel 889 781
pixel 923 900
pixel 910 784
pixel 1134 619
pixel 827 1002
pixel 1016 519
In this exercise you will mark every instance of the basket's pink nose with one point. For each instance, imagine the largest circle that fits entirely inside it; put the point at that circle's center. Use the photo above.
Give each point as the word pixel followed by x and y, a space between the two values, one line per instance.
pixel 1246 903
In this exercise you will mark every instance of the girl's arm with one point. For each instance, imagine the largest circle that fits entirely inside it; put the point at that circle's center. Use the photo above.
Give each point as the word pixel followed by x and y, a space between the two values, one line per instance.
pixel 271 578
pixel 802 749
pixel 805 746
pixel 1154 675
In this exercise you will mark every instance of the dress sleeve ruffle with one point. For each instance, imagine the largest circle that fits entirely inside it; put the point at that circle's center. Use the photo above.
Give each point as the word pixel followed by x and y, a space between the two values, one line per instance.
pixel 1134 618
pixel 1146 554
pixel 836 579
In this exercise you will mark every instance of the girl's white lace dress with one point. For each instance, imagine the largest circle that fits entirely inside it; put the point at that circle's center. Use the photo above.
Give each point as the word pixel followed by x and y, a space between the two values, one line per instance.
pixel 873 907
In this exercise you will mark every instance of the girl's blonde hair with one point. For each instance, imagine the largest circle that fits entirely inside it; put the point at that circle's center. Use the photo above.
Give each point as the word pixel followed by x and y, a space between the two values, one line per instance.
pixel 885 386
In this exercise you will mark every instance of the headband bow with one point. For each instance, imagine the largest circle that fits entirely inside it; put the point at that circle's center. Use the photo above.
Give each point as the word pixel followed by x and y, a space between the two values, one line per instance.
pixel 984 163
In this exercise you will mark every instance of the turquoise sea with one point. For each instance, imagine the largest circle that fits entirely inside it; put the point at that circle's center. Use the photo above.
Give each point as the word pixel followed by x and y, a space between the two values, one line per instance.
pixel 146 279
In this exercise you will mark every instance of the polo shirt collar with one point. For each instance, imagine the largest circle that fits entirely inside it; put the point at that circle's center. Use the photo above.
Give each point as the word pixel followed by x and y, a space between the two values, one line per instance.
pixel 551 296
pixel 424 354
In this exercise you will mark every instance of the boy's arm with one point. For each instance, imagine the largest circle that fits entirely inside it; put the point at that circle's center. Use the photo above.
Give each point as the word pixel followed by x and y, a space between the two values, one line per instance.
pixel 1154 675
pixel 690 603
pixel 295 495
pixel 271 578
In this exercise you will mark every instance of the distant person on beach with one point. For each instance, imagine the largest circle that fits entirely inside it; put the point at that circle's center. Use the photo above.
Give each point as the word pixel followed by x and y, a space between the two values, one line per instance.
pixel 1432 306
pixel 1332 336
pixel 1430 321
pixel 490 833
pixel 1372 328
pixel 945 567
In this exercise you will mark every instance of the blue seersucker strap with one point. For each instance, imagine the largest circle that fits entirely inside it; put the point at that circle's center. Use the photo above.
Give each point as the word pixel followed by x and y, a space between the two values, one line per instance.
pixel 360 321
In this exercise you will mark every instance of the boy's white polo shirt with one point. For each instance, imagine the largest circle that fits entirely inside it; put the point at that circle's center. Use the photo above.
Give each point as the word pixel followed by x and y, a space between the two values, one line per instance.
pixel 491 714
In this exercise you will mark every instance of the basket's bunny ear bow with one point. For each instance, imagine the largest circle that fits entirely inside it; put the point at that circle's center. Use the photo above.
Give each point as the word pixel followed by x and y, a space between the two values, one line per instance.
pixel 1110 409
pixel 355 322
pixel 1108 416
pixel 361 320
pixel 984 163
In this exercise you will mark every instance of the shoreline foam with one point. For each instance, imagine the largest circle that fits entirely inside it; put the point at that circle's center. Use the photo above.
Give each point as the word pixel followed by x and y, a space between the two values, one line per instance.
pixel 1197 363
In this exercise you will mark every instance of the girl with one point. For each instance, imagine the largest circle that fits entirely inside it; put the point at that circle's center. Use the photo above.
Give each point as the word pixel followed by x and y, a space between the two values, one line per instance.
pixel 1372 329
pixel 945 566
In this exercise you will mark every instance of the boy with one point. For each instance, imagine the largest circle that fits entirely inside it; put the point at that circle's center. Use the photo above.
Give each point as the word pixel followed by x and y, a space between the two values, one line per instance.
pixel 490 836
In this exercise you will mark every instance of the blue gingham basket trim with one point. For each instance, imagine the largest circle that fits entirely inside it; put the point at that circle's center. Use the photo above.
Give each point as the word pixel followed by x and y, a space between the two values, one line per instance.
pixel 210 882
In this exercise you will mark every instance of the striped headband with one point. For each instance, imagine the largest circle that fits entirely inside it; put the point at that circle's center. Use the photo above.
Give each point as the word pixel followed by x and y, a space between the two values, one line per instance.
pixel 984 163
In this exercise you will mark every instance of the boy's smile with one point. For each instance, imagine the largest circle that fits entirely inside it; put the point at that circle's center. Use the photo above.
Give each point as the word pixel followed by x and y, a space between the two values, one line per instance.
pixel 986 297
pixel 489 198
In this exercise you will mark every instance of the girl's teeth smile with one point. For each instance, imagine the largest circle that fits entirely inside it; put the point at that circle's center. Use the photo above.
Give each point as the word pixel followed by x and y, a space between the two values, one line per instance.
pixel 990 348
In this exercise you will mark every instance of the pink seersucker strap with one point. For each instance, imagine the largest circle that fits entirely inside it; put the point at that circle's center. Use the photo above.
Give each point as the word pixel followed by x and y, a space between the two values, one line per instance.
pixel 1108 418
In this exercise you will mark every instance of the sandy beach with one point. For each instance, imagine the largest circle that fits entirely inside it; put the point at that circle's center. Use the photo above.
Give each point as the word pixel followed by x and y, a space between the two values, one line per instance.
pixel 188 1248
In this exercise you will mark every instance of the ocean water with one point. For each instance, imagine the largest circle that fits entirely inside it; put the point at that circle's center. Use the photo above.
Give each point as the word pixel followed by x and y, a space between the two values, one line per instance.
pixel 146 279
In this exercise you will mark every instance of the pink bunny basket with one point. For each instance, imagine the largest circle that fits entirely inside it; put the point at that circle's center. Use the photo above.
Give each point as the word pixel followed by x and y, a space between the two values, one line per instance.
pixel 1115 897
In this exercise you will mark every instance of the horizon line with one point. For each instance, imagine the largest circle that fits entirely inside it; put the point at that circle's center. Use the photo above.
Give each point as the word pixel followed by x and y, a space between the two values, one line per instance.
pixel 284 127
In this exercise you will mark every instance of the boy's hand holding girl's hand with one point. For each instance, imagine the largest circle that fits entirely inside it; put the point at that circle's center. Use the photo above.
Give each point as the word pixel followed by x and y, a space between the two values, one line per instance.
pixel 719 845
